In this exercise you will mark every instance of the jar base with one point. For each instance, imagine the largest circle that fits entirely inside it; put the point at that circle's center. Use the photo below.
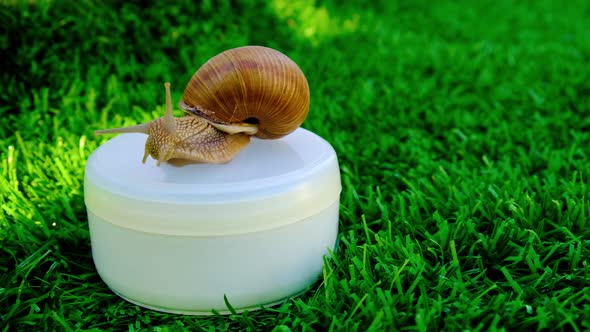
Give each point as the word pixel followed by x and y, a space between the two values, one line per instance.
pixel 204 312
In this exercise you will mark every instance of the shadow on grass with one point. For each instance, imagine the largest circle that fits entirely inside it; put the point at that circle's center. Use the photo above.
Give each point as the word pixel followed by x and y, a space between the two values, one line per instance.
pixel 50 44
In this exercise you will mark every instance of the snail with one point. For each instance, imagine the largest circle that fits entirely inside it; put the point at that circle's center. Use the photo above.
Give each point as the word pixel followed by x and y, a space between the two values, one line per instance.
pixel 239 93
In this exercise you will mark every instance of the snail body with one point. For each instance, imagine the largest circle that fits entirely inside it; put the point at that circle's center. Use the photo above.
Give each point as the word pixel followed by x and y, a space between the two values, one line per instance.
pixel 239 93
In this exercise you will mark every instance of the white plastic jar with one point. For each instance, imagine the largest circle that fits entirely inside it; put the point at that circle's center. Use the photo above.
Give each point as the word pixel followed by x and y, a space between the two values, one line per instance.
pixel 179 239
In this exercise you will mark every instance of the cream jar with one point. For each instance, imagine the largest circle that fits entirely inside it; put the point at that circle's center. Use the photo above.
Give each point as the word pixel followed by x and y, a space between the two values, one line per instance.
pixel 180 239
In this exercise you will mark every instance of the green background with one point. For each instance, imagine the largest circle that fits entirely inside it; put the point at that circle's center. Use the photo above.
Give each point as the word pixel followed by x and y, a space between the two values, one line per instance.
pixel 462 130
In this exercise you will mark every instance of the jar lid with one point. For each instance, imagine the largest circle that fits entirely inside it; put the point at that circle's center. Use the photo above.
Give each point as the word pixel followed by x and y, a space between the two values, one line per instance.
pixel 271 183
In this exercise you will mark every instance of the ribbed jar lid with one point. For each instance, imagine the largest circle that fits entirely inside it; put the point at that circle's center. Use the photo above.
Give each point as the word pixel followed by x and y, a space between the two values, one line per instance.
pixel 269 184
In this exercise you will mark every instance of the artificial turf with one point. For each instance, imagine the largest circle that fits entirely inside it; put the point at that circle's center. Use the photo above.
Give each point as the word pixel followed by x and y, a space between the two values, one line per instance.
pixel 462 130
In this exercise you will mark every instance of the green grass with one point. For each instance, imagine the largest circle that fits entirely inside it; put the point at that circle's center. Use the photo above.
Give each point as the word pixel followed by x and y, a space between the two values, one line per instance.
pixel 462 130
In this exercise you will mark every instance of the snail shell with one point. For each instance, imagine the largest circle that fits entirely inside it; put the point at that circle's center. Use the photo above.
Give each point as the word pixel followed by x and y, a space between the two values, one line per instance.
pixel 250 90
pixel 250 85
